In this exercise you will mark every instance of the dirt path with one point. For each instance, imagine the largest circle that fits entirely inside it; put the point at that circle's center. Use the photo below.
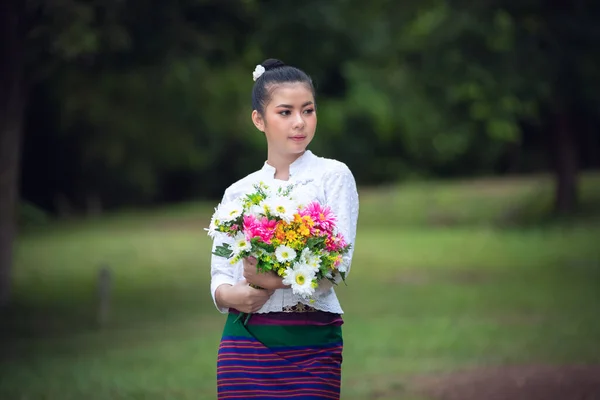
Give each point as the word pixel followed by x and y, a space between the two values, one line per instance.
pixel 514 383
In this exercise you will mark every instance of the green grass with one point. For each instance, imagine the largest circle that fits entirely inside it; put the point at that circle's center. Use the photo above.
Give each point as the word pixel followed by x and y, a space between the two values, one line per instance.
pixel 423 296
pixel 522 201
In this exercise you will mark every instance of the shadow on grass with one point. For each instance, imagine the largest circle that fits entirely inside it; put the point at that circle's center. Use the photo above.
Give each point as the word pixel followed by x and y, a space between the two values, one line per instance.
pixel 63 316
pixel 531 382
pixel 536 211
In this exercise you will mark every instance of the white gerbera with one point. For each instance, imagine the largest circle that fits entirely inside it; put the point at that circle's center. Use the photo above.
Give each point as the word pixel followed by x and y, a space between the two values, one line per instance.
pixel 229 211
pixel 285 254
pixel 240 244
pixel 310 259
pixel 281 207
pixel 300 278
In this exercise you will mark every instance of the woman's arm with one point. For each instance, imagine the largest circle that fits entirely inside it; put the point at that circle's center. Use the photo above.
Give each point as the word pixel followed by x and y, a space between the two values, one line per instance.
pixel 221 270
pixel 267 280
pixel 241 296
pixel 227 293
pixel 342 197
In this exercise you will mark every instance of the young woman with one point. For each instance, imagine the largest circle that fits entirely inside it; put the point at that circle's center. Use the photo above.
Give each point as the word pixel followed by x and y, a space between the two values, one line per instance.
pixel 289 347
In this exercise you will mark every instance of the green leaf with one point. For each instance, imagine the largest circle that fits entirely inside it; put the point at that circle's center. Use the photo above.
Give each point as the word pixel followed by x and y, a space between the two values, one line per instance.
pixel 343 275
pixel 313 242
pixel 223 250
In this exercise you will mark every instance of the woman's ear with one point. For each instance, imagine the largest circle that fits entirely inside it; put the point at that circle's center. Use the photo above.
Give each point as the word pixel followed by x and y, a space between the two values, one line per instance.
pixel 258 121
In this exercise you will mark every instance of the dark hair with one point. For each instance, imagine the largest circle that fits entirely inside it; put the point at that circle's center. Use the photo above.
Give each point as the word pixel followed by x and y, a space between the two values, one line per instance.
pixel 276 72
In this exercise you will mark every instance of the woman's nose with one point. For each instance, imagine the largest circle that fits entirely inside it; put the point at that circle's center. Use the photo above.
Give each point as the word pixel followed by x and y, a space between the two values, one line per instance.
pixel 299 121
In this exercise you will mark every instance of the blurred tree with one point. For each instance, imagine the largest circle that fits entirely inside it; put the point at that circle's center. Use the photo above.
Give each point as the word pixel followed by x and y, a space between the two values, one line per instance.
pixel 446 71
pixel 138 101
pixel 12 101
pixel 146 105
pixel 123 74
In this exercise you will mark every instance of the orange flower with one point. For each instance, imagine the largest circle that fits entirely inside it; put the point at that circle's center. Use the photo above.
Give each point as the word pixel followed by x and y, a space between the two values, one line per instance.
pixel 280 231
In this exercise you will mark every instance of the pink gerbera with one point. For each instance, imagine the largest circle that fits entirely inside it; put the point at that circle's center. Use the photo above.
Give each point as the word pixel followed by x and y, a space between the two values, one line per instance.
pixel 335 243
pixel 322 216
pixel 262 228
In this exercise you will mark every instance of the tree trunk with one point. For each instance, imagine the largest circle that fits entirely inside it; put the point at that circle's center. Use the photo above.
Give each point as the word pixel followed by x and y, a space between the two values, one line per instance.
pixel 12 100
pixel 566 165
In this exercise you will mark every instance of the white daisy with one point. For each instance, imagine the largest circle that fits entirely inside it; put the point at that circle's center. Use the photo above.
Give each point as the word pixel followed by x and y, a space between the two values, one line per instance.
pixel 300 198
pixel 285 253
pixel 256 211
pixel 229 211
pixel 259 252
pixel 343 267
pixel 212 228
pixel 309 258
pixel 300 279
pixel 281 207
pixel 240 244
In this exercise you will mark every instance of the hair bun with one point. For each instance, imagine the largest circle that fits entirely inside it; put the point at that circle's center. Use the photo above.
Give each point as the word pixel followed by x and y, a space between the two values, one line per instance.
pixel 272 63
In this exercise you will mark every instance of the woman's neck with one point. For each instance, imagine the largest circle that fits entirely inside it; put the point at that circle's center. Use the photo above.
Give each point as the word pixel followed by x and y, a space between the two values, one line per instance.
pixel 282 164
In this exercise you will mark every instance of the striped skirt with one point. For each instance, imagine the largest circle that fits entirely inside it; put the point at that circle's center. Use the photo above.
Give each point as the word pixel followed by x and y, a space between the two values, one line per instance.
pixel 281 356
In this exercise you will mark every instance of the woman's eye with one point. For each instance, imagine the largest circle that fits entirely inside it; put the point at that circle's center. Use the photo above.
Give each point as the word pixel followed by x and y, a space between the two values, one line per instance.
pixel 309 111
pixel 286 112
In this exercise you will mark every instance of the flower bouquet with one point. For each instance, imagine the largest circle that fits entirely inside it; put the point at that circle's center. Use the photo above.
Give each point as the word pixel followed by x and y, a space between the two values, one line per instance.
pixel 296 240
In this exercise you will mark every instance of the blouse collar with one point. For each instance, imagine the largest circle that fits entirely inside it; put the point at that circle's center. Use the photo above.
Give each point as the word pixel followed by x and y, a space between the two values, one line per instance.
pixel 301 163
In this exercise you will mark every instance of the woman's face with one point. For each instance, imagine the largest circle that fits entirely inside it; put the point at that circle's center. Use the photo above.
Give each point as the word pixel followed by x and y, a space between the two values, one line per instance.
pixel 289 120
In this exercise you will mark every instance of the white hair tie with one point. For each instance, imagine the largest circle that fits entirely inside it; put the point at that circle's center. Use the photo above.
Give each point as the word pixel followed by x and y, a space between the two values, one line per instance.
pixel 258 71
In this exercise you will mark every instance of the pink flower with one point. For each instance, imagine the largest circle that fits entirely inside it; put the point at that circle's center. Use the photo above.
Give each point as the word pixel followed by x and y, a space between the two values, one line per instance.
pixel 322 216
pixel 335 243
pixel 263 228
pixel 338 261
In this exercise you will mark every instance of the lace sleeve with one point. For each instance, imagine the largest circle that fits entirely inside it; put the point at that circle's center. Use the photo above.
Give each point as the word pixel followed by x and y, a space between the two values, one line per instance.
pixel 342 197
pixel 221 270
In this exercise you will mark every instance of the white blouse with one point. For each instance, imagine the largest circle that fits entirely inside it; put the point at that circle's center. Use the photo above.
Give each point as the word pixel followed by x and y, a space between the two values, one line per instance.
pixel 328 181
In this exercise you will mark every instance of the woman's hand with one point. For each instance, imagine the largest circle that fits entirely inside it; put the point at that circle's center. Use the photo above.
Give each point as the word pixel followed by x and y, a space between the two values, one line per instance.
pixel 268 280
pixel 242 297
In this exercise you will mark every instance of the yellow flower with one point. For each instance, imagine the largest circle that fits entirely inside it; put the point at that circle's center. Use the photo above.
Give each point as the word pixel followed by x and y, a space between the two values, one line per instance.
pixel 303 230
pixel 308 221
pixel 291 236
